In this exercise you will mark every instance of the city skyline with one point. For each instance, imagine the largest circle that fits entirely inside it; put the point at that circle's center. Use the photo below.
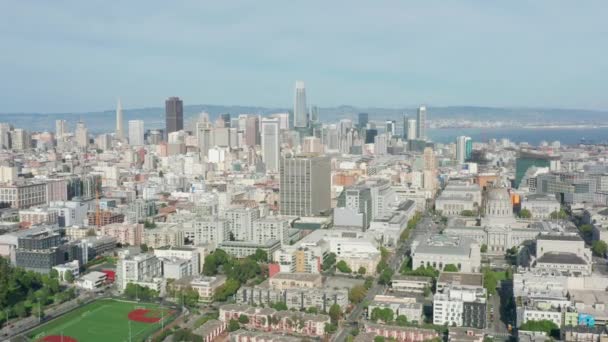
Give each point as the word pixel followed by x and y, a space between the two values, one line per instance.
pixel 527 54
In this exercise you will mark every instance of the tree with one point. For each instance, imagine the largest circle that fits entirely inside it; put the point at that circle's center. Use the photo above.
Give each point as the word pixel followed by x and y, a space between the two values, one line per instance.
pixel 558 215
pixel 279 306
pixel 379 339
pixel 586 229
pixel 91 232
pixel 54 274
pixel 427 291
pixel 525 213
pixel 483 248
pixel 369 282
pixel 450 268
pixel 599 247
pixel 329 261
pixel 385 315
pixel 401 320
pixel 489 281
pixel 357 294
pixel 385 277
pixel 143 247
pixel 362 270
pixel 543 325
pixel 68 276
pixel 343 267
pixel 233 325
pixel 381 266
pixel 149 224
pixel 468 213
pixel 20 310
pixel 260 255
pixel 228 289
pixel 243 319
pixel 335 312
pixel 312 310
pixel 330 328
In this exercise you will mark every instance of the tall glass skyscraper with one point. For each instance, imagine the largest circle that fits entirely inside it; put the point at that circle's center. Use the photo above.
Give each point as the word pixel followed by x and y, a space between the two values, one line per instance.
pixel 174 115
pixel 300 115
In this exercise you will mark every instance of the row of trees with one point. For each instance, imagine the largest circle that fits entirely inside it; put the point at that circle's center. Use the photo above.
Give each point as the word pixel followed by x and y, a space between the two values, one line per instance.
pixel 25 292
pixel 135 291
pixel 238 271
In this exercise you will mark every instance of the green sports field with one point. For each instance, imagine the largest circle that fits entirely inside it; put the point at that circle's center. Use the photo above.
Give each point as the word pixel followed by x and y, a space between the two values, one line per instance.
pixel 102 320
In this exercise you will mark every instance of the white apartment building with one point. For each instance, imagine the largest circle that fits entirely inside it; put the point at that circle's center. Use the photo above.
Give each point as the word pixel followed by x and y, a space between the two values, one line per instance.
pixel 206 286
pixel 140 268
pixel 240 221
pixel 194 254
pixel 271 228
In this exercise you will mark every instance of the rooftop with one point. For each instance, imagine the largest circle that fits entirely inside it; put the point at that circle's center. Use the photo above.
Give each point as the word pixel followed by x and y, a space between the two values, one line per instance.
pixel 561 258
pixel 461 279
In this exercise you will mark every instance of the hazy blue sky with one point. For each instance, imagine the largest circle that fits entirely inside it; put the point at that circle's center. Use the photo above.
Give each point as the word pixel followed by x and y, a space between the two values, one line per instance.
pixel 74 56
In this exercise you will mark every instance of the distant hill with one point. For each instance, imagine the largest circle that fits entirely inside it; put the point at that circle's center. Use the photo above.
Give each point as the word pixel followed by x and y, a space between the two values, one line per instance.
pixel 154 117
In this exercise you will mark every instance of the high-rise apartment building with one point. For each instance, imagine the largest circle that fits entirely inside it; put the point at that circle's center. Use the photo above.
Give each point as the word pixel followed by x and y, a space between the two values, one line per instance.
pixel 314 114
pixel 464 148
pixel 20 139
pixel 136 132
pixel 299 106
pixel 61 129
pixel 390 127
pixel 82 135
pixel 409 128
pixel 174 115
pixel 271 144
pixel 305 183
pixel 421 130
pixel 119 122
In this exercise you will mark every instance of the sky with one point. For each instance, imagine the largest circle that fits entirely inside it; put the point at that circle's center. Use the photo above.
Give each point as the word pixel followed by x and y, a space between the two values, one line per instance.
pixel 78 56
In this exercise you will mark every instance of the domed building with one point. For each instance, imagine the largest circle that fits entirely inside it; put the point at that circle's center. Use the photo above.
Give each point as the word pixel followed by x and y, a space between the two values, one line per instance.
pixel 498 204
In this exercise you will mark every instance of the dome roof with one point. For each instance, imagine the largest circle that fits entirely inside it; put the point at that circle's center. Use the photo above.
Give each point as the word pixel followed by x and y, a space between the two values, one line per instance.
pixel 498 194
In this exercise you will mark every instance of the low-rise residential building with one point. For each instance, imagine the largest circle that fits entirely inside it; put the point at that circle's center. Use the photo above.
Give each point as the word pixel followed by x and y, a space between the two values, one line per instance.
pixel 72 267
pixel 206 286
pixel 92 280
pixel 411 284
pixel 266 319
pixel 210 330
pixel 400 333
pixel 125 233
pixel 40 215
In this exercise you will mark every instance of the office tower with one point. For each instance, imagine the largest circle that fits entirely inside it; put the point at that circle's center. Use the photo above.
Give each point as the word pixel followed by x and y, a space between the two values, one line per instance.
pixel 314 113
pixel 305 185
pixel 82 135
pixel 464 147
pixel 370 135
pixel 119 129
pixel 391 127
pixel 5 136
pixel 155 137
pixel 270 144
pixel 528 159
pixel 204 134
pixel 174 115
pixel 421 131
pixel 226 118
pixel 136 132
pixel 103 141
pixel 410 129
pixel 252 130
pixel 61 129
pixel 20 139
pixel 380 144
pixel 363 120
pixel 299 106
pixel 283 119
pixel 312 145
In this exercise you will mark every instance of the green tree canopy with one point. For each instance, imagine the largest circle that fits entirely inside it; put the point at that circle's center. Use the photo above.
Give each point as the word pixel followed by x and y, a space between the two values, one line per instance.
pixel 335 312
pixel 343 267
pixel 525 213
pixel 450 268
pixel 599 247
pixel 233 325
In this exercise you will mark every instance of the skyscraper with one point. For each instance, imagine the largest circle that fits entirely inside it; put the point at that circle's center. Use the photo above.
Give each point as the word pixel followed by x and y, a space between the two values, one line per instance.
pixel 136 132
pixel 390 127
pixel 174 115
pixel 314 113
pixel 305 185
pixel 270 144
pixel 226 118
pixel 300 115
pixel 252 130
pixel 464 147
pixel 410 129
pixel 61 129
pixel 119 128
pixel 363 120
pixel 421 131
pixel 82 135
